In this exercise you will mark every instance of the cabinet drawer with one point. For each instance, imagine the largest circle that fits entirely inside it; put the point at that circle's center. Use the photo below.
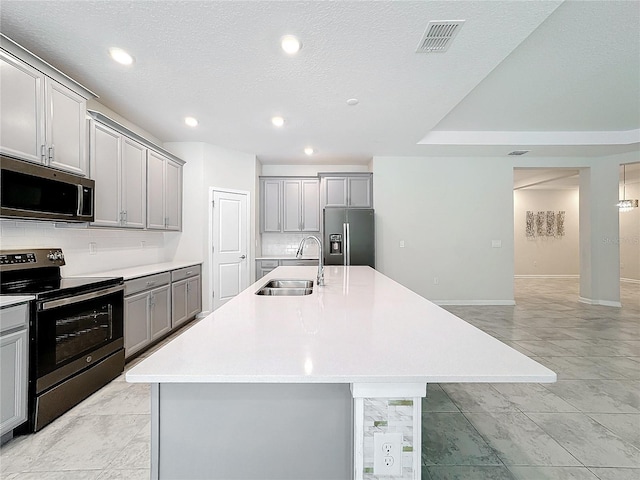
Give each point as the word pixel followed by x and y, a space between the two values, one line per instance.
pixel 268 263
pixel 14 316
pixel 146 283
pixel 299 263
pixel 186 272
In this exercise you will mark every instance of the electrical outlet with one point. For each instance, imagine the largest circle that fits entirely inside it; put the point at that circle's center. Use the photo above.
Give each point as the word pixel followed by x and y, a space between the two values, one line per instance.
pixel 93 248
pixel 387 454
pixel 436 281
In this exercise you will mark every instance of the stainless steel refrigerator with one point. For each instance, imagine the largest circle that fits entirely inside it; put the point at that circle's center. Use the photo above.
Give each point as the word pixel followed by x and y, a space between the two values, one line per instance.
pixel 349 237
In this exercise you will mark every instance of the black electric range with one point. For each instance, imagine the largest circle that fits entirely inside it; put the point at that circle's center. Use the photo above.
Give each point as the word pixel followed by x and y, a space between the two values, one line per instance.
pixel 76 339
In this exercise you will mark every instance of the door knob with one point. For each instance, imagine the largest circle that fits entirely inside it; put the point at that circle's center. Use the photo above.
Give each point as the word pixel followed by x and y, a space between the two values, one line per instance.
pixel 243 257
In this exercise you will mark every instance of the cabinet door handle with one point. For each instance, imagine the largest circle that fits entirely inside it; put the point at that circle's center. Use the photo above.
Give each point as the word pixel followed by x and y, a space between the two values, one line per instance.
pixel 51 154
pixel 150 283
pixel 43 154
pixel 189 272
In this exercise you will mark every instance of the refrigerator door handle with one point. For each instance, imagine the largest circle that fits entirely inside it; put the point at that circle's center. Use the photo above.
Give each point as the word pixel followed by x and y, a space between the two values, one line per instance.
pixel 348 246
pixel 345 241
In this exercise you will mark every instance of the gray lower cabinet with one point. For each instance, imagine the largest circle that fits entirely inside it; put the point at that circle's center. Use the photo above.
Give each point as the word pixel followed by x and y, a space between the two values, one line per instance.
pixel 185 295
pixel 298 263
pixel 147 315
pixel 265 266
pixel 13 365
pixel 156 304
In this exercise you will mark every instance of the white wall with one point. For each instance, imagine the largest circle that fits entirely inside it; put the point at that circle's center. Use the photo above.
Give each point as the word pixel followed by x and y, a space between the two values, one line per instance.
pixel 114 248
pixel 630 229
pixel 546 255
pixel 209 166
pixel 447 211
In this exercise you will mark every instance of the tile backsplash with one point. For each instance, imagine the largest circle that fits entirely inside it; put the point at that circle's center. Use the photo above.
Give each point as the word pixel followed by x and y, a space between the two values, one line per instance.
pixel 87 250
pixel 286 244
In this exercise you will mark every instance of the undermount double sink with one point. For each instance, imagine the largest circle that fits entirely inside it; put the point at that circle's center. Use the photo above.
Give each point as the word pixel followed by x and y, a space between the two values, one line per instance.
pixel 288 288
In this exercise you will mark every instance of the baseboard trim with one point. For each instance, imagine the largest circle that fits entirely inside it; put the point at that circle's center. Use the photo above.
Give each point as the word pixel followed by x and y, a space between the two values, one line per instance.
pixel 546 276
pixel 604 303
pixel 630 280
pixel 475 302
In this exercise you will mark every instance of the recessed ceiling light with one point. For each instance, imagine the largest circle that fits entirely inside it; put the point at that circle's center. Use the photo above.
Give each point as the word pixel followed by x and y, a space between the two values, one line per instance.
pixel 192 122
pixel 308 150
pixel 277 121
pixel 353 101
pixel 120 56
pixel 290 44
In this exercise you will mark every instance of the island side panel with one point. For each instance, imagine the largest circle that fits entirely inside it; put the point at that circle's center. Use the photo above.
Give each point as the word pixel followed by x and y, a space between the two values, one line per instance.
pixel 254 431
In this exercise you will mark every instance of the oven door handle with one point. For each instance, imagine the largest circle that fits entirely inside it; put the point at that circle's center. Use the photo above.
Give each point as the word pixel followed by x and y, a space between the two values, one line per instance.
pixel 78 298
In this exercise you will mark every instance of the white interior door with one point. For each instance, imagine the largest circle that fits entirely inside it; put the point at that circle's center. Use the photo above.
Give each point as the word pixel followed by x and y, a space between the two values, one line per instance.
pixel 230 247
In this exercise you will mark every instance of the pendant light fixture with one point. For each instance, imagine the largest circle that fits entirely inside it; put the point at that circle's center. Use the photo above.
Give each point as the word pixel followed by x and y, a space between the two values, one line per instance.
pixel 626 205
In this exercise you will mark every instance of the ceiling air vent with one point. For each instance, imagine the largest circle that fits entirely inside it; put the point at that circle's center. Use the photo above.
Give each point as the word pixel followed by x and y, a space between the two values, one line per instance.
pixel 438 36
pixel 519 152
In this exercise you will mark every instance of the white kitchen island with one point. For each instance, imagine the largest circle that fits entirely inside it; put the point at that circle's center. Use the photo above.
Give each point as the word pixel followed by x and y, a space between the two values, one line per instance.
pixel 270 387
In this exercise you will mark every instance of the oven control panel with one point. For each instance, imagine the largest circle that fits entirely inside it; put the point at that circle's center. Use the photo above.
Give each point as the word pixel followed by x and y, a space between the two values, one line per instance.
pixel 14 258
pixel 34 258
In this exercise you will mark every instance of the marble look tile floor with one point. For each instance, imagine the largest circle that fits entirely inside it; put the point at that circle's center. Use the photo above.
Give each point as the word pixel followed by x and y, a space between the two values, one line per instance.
pixel 584 427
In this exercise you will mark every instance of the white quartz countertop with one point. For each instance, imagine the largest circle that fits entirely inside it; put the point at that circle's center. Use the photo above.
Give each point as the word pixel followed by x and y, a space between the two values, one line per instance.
pixel 142 270
pixel 360 327
pixel 9 300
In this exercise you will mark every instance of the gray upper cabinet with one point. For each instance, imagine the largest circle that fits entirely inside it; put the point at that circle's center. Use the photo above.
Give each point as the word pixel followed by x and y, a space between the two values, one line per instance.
pixel 301 205
pixel 270 205
pixel 138 184
pixel 290 205
pixel 106 161
pixel 346 190
pixel 21 96
pixel 310 205
pixel 118 166
pixel 173 195
pixel 65 132
pixel 133 183
pixel 155 191
pixel 52 127
pixel 164 192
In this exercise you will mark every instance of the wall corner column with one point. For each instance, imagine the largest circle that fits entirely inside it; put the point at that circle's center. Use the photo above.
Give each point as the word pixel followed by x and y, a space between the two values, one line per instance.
pixel 599 235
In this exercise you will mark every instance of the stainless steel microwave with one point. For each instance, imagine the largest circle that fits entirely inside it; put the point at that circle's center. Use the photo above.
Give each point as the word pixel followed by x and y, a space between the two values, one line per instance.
pixel 35 192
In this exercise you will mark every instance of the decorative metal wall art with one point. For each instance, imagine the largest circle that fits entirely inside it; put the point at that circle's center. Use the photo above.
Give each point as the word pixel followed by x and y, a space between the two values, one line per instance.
pixel 560 224
pixel 545 224
pixel 530 221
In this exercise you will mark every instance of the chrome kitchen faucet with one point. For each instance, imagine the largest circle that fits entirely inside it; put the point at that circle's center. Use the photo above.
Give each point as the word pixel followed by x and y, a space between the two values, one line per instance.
pixel 320 279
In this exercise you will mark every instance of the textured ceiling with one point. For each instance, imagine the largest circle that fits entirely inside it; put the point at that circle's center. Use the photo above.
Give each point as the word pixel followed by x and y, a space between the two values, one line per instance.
pixel 516 66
